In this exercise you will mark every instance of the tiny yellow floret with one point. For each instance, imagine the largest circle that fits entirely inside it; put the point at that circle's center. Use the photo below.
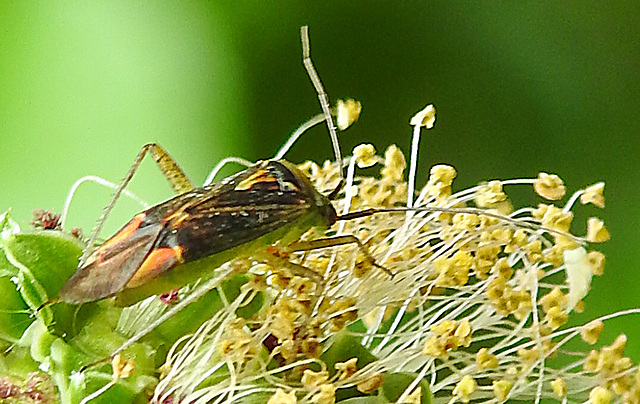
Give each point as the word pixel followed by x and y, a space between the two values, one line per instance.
pixel 121 367
pixel 433 347
pixel 596 262
pixel 591 361
pixel 556 317
pixel 600 395
pixel 426 117
pixel 596 232
pixel 486 360
pixel 619 345
pixel 394 164
pixel 414 398
pixel 347 368
pixel 490 194
pixel 311 379
pixel 559 387
pixel 365 155
pixel 555 298
pixel 465 387
pixel 501 389
pixel 549 186
pixel 440 179
pixel 326 395
pixel 594 195
pixel 370 384
pixel 347 112
pixel 529 355
pixel 591 332
pixel 280 397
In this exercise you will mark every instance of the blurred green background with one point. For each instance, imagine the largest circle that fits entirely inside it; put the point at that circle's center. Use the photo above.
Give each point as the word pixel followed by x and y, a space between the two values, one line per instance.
pixel 519 87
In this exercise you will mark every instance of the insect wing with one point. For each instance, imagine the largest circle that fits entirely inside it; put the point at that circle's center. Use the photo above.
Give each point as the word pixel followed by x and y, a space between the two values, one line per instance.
pixel 239 216
pixel 267 202
pixel 109 268
pixel 235 215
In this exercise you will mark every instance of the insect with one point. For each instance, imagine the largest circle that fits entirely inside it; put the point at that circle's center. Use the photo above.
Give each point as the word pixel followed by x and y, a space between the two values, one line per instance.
pixel 270 201
pixel 161 247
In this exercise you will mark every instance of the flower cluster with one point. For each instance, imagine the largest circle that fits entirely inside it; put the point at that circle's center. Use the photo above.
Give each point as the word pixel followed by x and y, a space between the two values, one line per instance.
pixel 463 298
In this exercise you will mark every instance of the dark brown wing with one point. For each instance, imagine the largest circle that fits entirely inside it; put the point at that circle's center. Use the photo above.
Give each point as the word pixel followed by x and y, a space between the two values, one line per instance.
pixel 256 202
pixel 111 266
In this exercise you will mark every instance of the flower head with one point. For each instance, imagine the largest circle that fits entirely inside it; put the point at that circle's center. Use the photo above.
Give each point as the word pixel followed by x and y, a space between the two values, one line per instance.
pixel 475 310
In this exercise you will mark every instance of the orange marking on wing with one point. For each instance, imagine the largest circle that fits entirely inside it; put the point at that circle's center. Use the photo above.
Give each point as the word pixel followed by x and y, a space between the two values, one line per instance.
pixel 177 251
pixel 125 233
pixel 158 261
pixel 259 176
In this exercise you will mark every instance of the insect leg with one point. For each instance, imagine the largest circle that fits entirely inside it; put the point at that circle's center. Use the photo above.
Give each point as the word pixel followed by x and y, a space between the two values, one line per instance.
pixel 295 269
pixel 177 178
pixel 333 242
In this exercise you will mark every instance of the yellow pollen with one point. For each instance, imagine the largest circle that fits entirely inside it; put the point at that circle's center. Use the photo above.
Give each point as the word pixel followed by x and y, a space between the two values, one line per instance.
pixel 596 232
pixel 347 112
pixel 549 186
pixel 426 117
pixel 593 195
pixel 280 397
pixel 591 332
pixel 501 389
pixel 365 155
pixel 559 387
pixel 465 387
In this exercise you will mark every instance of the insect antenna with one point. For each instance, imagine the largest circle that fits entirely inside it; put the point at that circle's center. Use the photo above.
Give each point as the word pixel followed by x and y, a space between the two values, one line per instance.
pixel 99 181
pixel 324 103
pixel 319 118
pixel 476 211
pixel 225 161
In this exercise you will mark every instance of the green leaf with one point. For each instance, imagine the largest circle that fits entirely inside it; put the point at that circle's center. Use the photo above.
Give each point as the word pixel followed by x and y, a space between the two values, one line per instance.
pixel 40 341
pixel 14 312
pixel 33 267
pixel 49 257
pixel 18 362
pixel 395 384
pixel 74 386
pixel 63 361
pixel 344 347
pixel 130 390
pixel 45 260
pixel 99 339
